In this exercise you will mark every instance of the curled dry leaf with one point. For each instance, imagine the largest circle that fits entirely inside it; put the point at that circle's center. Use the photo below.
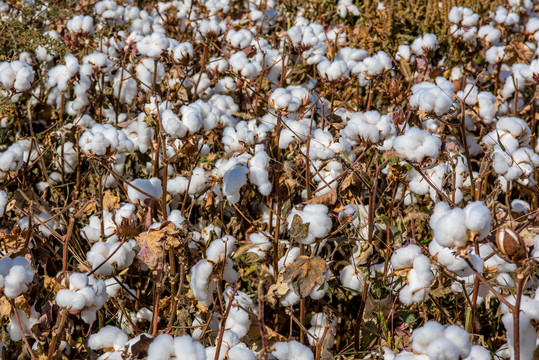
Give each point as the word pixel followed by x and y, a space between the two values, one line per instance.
pixel 305 274
pixel 298 229
pixel 328 199
pixel 154 243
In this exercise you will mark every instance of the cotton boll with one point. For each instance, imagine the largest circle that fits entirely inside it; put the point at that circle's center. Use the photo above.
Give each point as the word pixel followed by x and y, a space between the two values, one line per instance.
pixel 433 98
pixel 15 275
pixel 151 187
pixel 424 336
pixel 26 324
pixel 478 218
pixel 241 352
pixel 317 333
pixel 238 319
pixel 425 43
pixel 416 144
pixel 162 348
pixel 186 348
pixel 292 350
pixel 145 73
pixel 220 249
pixel 442 349
pixel 201 284
pixel 258 172
pixel 352 279
pixel 404 257
pixel 478 353
pixel 86 300
pixel 153 45
pixel 261 243
pixel 489 34
pixel 184 51
pixel 3 201
pixel 107 337
pixel 460 339
pixel 16 75
pixel 233 181
pixel 172 124
pixel 317 217
pixel 80 23
pixel 239 39
pixel 449 235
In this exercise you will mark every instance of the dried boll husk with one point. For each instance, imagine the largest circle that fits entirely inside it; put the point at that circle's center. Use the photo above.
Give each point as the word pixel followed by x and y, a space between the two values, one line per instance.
pixel 509 244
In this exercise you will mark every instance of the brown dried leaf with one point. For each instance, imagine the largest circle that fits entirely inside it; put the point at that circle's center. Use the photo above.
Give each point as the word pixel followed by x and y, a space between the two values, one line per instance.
pixel 110 201
pixel 298 230
pixel 155 242
pixel 305 274
pixel 327 199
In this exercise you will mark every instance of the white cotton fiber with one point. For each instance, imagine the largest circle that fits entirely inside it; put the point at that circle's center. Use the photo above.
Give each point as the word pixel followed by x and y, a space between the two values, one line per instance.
pixel 108 337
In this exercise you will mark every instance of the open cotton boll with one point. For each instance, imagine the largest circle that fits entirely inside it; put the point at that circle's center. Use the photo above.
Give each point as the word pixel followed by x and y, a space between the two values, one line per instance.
pixel 258 172
pixel 332 71
pixel 119 256
pixel 191 117
pixel 449 235
pixel 15 275
pixel 233 181
pixel 161 348
pixel 292 350
pixel 319 222
pixel 490 34
pixel 478 353
pixel 153 45
pixel 345 7
pixel 172 124
pixel 433 98
pixel 239 39
pixel 11 160
pixel 151 187
pixel 16 75
pixel 103 139
pixel 184 51
pixel 425 43
pixel 108 337
pixel 220 249
pixel 370 126
pixel 463 16
pixel 317 333
pixel 201 284
pixel 352 280
pixel 70 157
pixel 404 257
pixel 416 144
pixel 81 23
pixel 46 224
pixel 187 348
pixel 145 73
pixel 478 218
pixel 3 202
pixel 86 295
pixel 238 319
pixel 442 349
pixel 261 243
pixel 425 335
pixel 460 339
pixel 26 324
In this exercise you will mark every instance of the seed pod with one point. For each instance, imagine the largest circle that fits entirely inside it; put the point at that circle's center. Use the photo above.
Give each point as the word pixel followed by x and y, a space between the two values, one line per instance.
pixel 510 245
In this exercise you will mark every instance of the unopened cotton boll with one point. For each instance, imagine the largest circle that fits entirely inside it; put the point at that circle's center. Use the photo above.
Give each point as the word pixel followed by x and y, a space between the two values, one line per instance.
pixel 151 187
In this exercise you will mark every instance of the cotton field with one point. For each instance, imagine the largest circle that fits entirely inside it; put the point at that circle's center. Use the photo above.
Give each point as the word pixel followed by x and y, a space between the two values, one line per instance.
pixel 269 180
